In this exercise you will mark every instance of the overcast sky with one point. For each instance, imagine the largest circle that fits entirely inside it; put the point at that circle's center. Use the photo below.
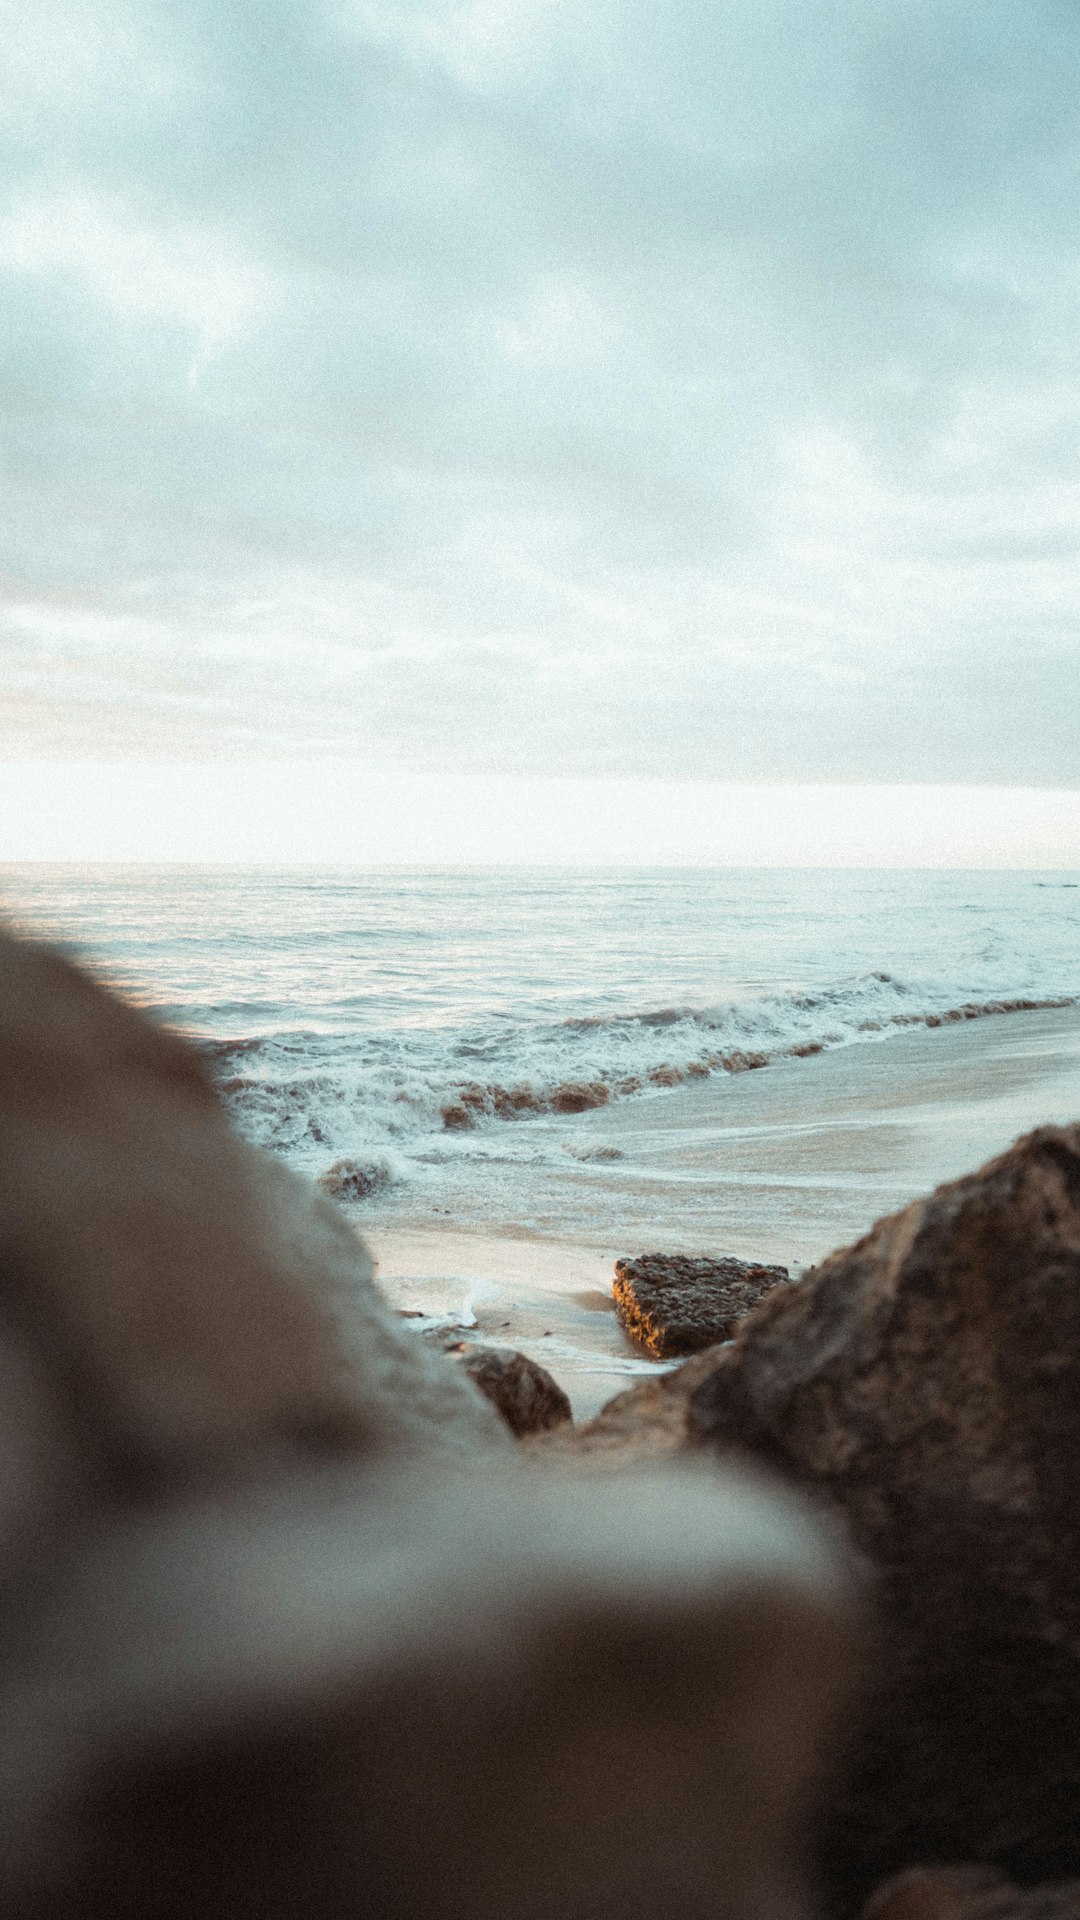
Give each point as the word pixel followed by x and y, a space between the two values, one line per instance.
pixel 544 386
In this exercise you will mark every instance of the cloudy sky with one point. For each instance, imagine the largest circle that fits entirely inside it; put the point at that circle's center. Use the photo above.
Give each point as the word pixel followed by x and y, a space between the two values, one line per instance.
pixel 573 388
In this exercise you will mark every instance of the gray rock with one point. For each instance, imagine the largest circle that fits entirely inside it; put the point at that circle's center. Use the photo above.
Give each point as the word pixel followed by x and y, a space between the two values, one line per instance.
pixel 676 1303
pixel 522 1391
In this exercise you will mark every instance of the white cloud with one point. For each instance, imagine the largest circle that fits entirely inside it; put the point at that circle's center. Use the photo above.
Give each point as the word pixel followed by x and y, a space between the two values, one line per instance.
pixel 477 41
pixel 182 276
pixel 65 57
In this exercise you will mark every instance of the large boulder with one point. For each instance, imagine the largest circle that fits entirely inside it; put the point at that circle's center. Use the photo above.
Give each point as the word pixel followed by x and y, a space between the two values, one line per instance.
pixel 678 1303
pixel 925 1383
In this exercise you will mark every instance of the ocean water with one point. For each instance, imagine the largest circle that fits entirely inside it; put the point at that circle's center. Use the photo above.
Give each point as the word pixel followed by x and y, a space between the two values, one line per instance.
pixel 413 1029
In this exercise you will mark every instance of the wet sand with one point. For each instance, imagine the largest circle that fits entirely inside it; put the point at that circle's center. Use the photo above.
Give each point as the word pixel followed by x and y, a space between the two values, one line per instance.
pixel 782 1164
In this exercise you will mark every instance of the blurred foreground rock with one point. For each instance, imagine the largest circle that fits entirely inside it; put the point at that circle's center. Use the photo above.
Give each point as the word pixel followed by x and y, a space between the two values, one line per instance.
pixel 287 1625
pixel 382 1696
pixel 925 1384
pixel 970 1893
pixel 174 1305
pixel 676 1303
pixel 520 1389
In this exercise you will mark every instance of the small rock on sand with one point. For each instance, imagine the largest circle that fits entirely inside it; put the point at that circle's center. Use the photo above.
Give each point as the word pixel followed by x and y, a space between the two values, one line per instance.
pixel 522 1391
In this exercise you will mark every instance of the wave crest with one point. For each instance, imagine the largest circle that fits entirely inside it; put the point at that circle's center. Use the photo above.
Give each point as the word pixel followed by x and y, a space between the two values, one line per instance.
pixel 317 1098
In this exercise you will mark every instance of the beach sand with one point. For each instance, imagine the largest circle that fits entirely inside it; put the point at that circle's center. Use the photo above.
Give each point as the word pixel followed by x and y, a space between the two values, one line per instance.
pixel 782 1164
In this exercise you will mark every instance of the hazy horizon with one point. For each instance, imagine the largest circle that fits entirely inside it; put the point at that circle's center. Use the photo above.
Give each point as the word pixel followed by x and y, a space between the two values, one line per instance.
pixel 343 812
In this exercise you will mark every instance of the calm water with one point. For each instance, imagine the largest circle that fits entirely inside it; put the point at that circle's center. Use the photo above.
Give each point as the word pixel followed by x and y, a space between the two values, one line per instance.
pixel 352 1014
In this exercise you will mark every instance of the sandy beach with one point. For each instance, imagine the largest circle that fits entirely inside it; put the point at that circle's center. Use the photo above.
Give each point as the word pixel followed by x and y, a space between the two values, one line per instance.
pixel 782 1165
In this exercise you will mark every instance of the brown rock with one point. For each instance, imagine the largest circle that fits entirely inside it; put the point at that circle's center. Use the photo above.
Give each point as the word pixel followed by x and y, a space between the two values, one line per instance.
pixel 970 1893
pixel 926 1383
pixel 523 1392
pixel 677 1303
pixel 470 1699
pixel 354 1179
pixel 578 1096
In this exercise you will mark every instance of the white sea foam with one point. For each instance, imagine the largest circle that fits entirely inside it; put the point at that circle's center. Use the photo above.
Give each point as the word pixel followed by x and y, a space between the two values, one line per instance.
pixel 459 1319
pixel 318 1097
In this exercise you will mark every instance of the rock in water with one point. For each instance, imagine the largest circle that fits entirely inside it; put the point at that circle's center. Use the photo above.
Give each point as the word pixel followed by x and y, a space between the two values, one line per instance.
pixel 926 1382
pixel 521 1390
pixel 675 1303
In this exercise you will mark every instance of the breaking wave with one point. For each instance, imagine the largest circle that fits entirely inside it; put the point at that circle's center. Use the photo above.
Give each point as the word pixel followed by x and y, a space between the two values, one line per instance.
pixel 364 1112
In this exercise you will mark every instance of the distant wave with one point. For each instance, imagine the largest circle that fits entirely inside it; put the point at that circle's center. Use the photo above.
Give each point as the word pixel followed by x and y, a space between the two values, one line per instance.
pixel 373 1106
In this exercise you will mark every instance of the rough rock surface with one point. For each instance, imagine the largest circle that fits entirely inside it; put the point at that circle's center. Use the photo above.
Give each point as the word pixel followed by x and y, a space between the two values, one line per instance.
pixel 926 1382
pixel 677 1303
pixel 521 1390
pixel 970 1893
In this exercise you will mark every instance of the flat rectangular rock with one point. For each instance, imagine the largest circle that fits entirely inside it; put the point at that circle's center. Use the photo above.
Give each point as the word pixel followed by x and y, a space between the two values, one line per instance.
pixel 679 1303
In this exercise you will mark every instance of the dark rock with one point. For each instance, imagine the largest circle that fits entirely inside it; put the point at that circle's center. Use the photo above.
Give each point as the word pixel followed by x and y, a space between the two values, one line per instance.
pixel 970 1893
pixel 926 1383
pixel 677 1303
pixel 355 1179
pixel 525 1394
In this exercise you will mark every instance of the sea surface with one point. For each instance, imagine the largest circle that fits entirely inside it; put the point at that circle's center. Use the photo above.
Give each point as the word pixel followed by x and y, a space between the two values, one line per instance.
pixel 408 1028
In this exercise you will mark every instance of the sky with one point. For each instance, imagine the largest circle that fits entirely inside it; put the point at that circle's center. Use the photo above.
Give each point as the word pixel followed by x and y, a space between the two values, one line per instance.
pixel 581 392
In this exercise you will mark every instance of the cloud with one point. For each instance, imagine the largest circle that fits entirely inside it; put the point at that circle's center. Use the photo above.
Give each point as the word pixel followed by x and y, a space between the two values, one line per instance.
pixel 554 387
pixel 181 278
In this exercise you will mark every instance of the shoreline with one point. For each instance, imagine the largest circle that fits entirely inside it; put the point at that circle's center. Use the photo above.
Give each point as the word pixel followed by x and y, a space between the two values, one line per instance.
pixel 783 1165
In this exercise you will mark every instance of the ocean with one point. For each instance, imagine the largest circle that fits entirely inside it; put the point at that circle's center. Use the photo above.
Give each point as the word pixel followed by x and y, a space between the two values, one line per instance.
pixel 456 1043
